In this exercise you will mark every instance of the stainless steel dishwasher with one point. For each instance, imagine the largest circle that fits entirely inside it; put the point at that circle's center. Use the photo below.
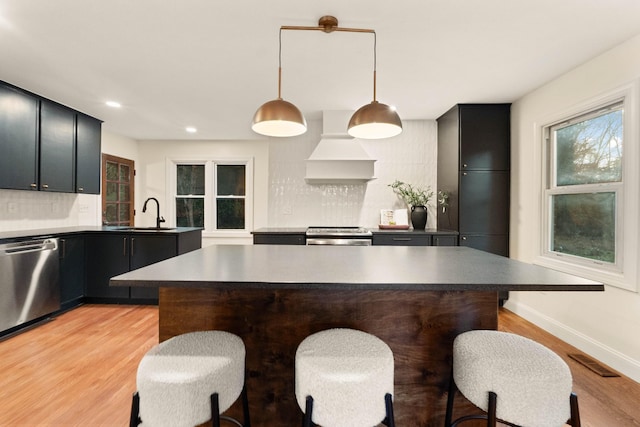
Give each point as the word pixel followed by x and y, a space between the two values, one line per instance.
pixel 29 283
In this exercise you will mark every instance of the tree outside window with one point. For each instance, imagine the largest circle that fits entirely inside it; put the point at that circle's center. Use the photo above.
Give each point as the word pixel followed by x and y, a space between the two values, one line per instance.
pixel 586 184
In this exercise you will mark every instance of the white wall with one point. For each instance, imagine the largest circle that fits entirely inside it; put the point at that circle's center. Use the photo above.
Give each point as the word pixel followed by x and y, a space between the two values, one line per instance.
pixel 410 157
pixel 604 325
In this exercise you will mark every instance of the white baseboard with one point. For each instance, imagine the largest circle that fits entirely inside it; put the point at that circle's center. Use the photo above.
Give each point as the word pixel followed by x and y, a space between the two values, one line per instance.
pixel 614 359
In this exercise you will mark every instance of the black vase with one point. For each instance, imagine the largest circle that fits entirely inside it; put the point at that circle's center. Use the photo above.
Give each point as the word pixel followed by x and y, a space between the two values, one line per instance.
pixel 418 217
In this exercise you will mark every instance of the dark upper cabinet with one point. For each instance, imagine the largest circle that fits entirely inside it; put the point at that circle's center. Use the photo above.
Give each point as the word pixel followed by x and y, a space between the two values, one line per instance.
pixel 473 169
pixel 47 146
pixel 88 142
pixel 484 137
pixel 57 148
pixel 18 139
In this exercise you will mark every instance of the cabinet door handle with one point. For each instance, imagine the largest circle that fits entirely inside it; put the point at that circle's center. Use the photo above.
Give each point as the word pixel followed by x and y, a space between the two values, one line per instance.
pixel 464 165
pixel 464 237
pixel 80 189
pixel 402 239
pixel 45 186
pixel 63 248
pixel 464 174
pixel 124 246
pixel 133 239
pixel 33 185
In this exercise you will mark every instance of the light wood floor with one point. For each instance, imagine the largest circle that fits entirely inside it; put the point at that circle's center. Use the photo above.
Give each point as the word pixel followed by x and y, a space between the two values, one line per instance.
pixel 79 370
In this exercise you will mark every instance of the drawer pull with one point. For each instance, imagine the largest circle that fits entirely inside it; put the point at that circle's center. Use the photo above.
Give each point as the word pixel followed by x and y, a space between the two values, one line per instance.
pixel 402 239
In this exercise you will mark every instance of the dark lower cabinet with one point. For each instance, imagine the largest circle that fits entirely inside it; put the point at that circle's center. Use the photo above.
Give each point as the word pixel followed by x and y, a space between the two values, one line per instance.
pixel 279 239
pixel 72 270
pixel 111 254
pixel 444 240
pixel 146 250
pixel 401 239
pixel 496 244
pixel 107 255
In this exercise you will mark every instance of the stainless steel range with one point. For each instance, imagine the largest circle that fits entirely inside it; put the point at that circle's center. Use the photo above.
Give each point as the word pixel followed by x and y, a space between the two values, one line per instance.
pixel 344 236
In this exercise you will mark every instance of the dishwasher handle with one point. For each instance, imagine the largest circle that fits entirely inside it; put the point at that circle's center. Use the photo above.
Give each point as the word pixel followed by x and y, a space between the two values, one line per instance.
pixel 28 246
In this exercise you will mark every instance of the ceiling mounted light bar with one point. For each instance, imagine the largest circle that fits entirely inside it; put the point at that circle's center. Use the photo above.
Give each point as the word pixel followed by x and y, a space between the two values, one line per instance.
pixel 281 118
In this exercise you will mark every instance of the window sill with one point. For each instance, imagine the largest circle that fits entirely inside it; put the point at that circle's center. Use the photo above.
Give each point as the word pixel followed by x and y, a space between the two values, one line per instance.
pixel 619 280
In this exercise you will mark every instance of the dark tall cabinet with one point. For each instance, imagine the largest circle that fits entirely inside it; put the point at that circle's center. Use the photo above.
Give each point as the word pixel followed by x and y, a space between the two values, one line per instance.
pixel 473 170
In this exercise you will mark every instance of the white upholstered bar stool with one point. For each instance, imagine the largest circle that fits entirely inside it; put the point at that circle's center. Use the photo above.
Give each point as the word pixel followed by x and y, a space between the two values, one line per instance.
pixel 344 378
pixel 190 379
pixel 515 380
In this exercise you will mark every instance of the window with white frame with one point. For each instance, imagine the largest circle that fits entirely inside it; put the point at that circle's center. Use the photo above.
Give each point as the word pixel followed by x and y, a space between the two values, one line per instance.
pixel 590 214
pixel 213 194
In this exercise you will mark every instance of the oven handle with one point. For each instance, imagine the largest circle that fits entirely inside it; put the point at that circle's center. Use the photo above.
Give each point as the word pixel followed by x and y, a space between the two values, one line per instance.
pixel 332 241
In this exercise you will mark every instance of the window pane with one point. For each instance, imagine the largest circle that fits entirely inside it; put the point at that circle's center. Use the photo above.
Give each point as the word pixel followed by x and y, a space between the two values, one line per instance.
pixel 124 193
pixel 123 212
pixel 231 180
pixel 112 192
pixel 230 214
pixel 124 173
pixel 584 225
pixel 111 213
pixel 190 212
pixel 112 171
pixel 190 180
pixel 590 151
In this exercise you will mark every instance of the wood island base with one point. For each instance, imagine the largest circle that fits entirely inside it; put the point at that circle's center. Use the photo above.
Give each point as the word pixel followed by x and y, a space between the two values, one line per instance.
pixel 419 326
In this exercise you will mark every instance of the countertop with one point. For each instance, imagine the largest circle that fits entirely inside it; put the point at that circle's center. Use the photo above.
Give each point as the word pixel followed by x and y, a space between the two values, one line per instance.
pixel 51 232
pixel 351 267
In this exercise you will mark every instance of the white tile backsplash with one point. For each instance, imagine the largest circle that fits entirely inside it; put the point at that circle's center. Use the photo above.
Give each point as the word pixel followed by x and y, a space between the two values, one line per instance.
pixel 410 157
pixel 26 210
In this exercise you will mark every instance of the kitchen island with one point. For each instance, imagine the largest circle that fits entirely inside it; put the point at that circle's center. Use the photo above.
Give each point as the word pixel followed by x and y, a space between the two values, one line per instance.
pixel 416 299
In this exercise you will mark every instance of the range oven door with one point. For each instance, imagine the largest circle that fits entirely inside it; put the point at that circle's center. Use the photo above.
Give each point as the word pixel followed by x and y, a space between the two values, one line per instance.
pixel 338 241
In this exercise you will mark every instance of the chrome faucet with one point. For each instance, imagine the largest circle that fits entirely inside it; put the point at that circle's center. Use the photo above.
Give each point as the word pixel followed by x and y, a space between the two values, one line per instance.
pixel 159 219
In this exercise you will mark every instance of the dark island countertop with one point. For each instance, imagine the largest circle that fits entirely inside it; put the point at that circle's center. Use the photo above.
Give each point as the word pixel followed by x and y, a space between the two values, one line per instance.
pixel 351 267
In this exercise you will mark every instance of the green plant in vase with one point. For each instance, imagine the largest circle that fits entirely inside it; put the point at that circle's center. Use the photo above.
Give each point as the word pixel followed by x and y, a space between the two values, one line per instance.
pixel 417 198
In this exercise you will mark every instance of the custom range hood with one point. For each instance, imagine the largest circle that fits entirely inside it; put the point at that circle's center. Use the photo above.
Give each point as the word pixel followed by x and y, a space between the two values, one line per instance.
pixel 338 158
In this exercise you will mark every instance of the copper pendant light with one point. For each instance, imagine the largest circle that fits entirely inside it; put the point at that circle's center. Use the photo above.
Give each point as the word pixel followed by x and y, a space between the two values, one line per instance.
pixel 281 118
pixel 375 120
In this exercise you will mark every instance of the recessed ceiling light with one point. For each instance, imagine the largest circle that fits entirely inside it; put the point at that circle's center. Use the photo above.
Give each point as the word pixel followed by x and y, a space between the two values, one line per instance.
pixel 113 104
pixel 191 129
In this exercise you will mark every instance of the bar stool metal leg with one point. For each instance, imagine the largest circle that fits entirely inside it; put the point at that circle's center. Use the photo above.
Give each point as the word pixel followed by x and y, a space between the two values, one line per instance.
pixel 134 420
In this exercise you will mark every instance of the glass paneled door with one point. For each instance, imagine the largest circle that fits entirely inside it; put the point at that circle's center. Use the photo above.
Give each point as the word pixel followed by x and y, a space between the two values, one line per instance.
pixel 118 176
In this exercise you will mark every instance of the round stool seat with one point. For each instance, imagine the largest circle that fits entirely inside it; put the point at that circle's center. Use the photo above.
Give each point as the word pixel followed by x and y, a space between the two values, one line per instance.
pixel 532 383
pixel 347 373
pixel 177 377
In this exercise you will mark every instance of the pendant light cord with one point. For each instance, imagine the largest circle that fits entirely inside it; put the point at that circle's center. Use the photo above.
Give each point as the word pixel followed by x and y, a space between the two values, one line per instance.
pixel 280 64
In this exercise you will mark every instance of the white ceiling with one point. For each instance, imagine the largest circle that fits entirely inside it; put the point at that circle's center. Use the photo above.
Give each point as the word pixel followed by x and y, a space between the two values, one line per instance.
pixel 211 63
